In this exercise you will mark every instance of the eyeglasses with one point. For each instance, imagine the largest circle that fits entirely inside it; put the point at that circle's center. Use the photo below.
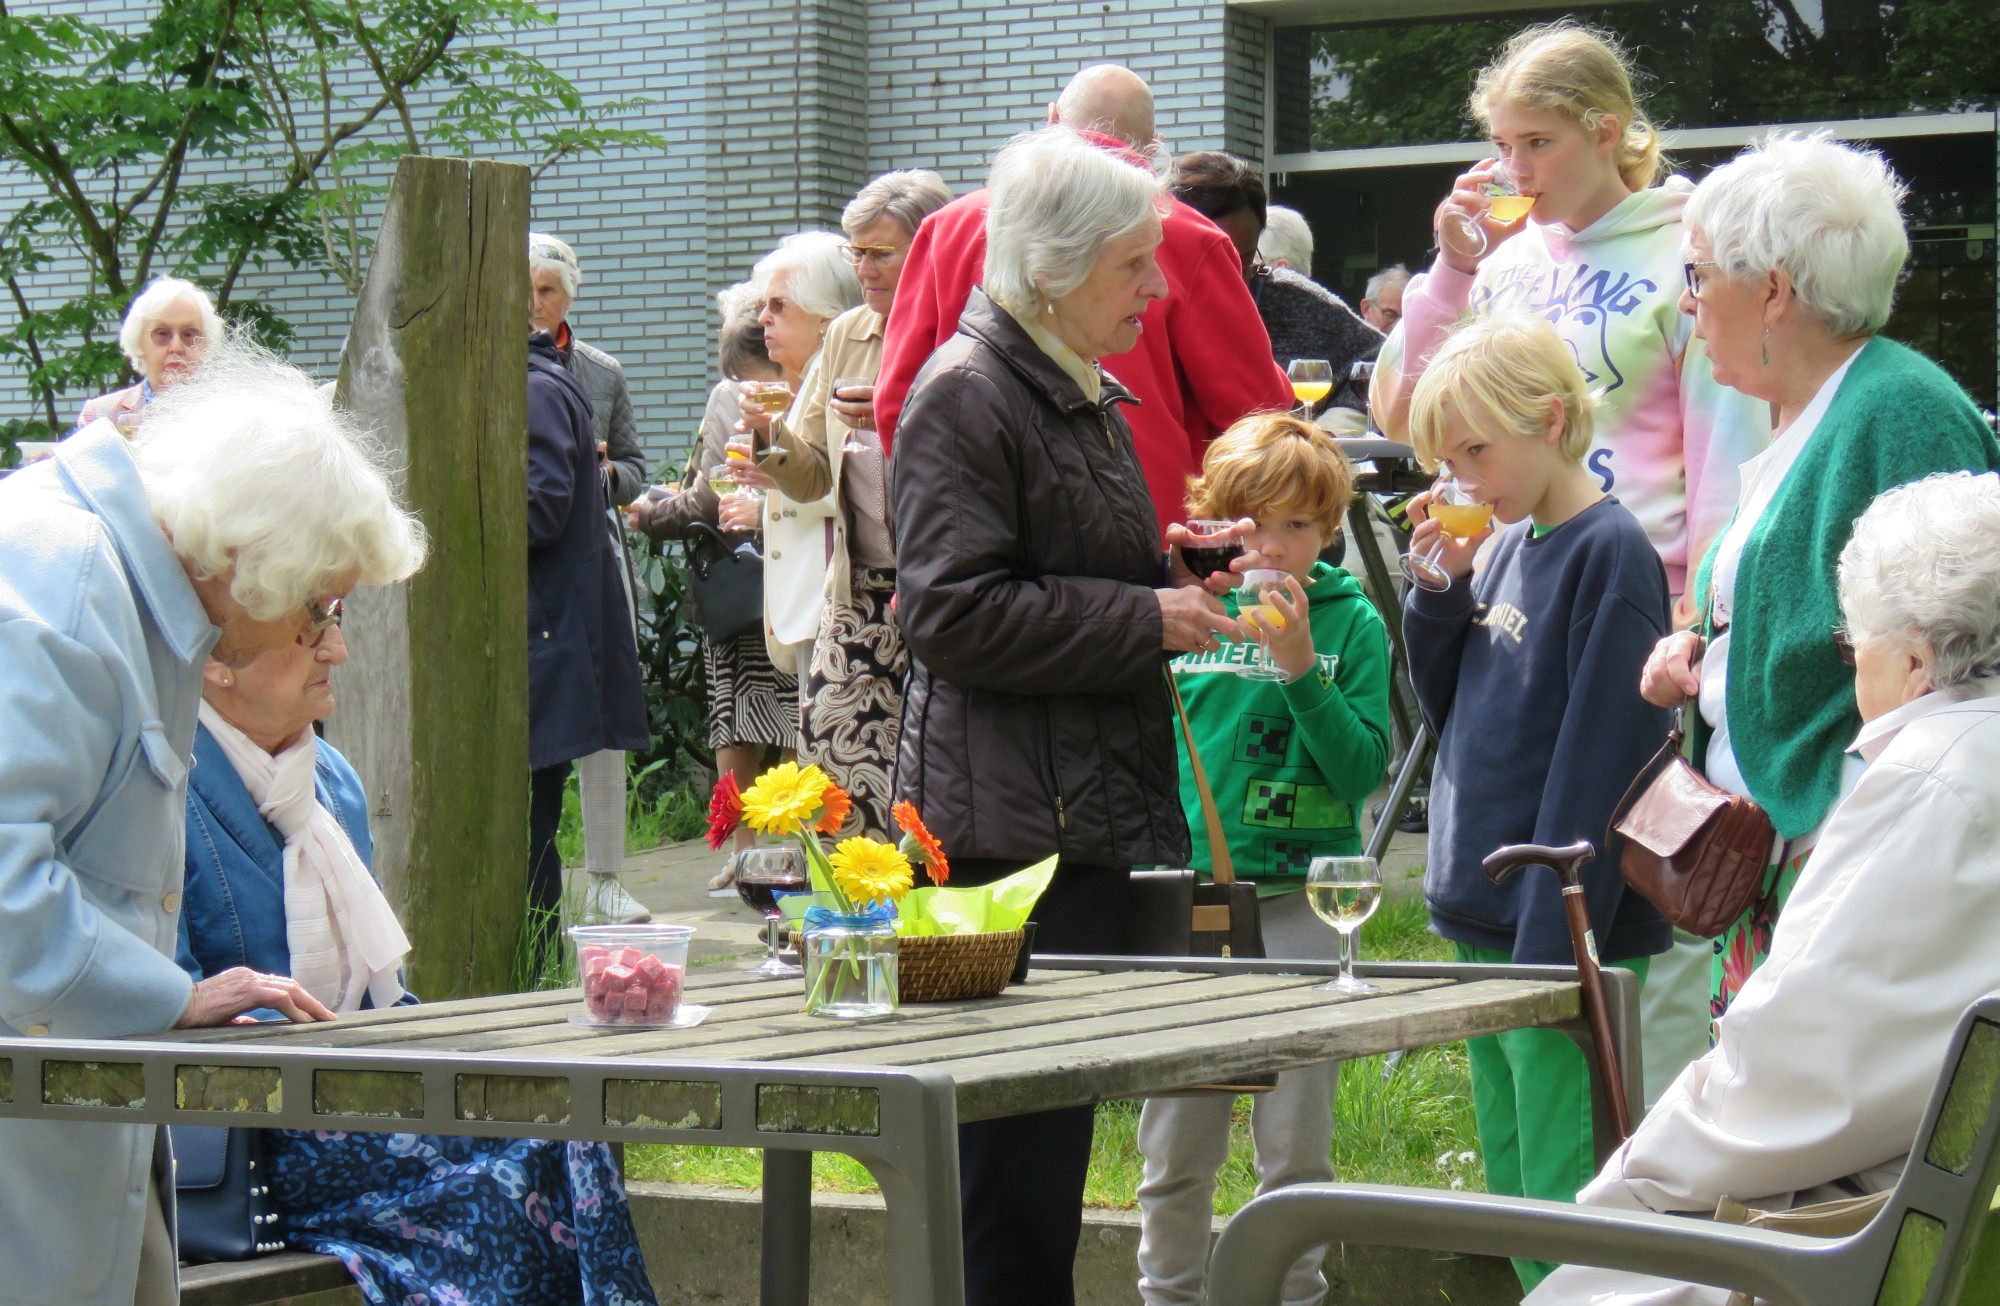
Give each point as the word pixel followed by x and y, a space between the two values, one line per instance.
pixel 859 254
pixel 165 335
pixel 1390 315
pixel 321 615
pixel 1843 647
pixel 1694 286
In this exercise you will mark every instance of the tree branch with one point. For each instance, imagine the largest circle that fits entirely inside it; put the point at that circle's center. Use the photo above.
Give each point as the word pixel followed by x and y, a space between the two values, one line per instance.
pixel 48 393
pixel 48 163
pixel 176 161
pixel 374 56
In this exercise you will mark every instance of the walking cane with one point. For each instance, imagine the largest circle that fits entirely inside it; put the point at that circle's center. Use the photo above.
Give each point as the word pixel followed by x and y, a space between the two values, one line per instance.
pixel 1568 863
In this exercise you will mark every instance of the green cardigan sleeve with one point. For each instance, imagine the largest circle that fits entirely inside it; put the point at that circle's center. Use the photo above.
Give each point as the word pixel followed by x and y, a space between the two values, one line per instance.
pixel 1790 702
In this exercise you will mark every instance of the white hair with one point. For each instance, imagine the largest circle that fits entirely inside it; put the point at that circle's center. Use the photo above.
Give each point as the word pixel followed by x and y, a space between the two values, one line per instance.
pixel 1287 237
pixel 547 254
pixel 1923 569
pixel 822 281
pixel 909 197
pixel 1393 275
pixel 157 298
pixel 1054 203
pixel 249 465
pixel 1828 214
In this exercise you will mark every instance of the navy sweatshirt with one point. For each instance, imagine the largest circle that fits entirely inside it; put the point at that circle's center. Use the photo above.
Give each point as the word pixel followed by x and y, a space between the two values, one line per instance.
pixel 1529 675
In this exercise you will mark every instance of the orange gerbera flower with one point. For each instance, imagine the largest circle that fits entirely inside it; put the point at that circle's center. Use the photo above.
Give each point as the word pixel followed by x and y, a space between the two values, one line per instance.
pixel 725 810
pixel 838 805
pixel 921 845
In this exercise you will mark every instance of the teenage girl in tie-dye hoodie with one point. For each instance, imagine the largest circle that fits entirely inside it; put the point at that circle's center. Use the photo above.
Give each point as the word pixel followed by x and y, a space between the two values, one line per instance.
pixel 1600 256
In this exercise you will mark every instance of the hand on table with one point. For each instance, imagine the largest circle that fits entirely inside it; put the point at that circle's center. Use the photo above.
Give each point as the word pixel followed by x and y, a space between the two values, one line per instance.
pixel 221 999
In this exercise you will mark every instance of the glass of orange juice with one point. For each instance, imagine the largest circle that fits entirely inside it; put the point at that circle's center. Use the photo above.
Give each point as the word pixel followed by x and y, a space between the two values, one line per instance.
pixel 1504 203
pixel 1312 381
pixel 1462 517
pixel 1258 614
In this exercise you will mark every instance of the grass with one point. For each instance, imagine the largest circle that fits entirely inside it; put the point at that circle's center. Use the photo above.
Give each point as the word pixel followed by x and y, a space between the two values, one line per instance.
pixel 1410 1127
pixel 657 811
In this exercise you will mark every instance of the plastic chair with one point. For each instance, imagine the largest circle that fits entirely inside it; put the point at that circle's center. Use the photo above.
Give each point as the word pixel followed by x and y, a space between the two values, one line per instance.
pixel 1918 1250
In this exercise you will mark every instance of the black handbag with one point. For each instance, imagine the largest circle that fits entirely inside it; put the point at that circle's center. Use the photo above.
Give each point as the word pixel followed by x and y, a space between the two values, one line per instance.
pixel 1172 914
pixel 222 1194
pixel 728 586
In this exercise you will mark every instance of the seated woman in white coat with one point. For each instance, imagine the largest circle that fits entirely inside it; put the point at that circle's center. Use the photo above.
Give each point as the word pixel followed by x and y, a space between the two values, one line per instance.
pixel 1823 1067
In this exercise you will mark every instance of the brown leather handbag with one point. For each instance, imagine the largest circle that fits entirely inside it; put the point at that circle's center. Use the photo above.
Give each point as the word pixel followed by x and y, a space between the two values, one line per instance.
pixel 1697 852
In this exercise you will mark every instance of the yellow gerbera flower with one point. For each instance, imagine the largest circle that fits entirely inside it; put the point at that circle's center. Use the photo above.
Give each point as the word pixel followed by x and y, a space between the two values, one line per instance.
pixel 785 800
pixel 868 871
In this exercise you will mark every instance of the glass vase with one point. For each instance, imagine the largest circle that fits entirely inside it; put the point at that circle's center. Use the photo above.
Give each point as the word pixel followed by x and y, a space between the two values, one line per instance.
pixel 851 967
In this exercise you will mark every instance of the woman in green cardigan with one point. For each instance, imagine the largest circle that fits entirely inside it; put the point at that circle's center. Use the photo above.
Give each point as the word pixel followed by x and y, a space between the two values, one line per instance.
pixel 1793 251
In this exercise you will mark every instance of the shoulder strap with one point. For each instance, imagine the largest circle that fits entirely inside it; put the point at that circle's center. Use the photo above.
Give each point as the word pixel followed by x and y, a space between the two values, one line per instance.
pixel 1218 842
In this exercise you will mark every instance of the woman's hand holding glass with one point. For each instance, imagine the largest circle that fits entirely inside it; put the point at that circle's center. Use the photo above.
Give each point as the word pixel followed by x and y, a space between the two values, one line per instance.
pixel 1484 208
pixel 742 464
pixel 760 403
pixel 1672 674
pixel 1213 537
pixel 1192 621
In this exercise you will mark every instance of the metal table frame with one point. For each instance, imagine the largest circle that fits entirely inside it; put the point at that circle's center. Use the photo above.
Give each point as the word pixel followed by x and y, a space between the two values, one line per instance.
pixel 901 1123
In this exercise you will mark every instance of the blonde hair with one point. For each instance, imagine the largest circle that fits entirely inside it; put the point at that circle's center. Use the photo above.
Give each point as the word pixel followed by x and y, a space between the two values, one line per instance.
pixel 1579 72
pixel 1274 460
pixel 1501 373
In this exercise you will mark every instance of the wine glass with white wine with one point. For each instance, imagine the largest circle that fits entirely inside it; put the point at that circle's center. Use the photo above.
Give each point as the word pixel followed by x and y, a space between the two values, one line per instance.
pixel 1312 381
pixel 1505 203
pixel 1344 892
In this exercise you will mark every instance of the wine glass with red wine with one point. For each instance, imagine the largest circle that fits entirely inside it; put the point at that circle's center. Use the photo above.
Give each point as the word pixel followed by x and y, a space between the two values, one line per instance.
pixel 1215 545
pixel 762 873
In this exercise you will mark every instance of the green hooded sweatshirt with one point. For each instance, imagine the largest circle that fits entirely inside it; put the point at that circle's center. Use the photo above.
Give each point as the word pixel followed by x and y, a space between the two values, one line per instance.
pixel 1290 764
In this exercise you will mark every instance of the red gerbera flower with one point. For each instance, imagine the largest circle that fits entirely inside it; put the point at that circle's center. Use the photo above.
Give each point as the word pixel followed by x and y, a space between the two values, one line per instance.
pixel 927 849
pixel 725 810
pixel 836 807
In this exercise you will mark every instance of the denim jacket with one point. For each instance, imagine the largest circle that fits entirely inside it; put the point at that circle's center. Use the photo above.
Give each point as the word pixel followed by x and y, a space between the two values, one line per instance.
pixel 102 643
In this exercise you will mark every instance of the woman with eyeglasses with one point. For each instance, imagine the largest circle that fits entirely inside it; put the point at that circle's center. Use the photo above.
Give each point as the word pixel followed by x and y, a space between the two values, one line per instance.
pixel 167 330
pixel 278 880
pixel 851 710
pixel 1792 251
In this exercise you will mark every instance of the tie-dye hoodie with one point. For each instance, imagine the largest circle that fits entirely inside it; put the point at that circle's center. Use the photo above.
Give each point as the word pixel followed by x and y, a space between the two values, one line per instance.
pixel 1669 438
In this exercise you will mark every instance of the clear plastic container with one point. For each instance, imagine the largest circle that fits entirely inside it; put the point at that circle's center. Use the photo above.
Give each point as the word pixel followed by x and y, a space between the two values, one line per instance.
pixel 851 968
pixel 631 974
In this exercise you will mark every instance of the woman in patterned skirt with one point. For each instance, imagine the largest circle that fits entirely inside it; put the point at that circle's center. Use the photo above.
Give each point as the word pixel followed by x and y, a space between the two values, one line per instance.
pixel 753 706
pixel 852 711
pixel 278 878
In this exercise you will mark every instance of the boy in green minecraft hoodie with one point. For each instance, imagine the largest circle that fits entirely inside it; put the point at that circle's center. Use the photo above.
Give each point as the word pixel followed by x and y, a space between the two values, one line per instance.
pixel 1291 761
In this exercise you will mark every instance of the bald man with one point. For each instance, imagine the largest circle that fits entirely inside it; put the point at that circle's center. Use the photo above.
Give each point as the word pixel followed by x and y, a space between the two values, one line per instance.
pixel 1203 359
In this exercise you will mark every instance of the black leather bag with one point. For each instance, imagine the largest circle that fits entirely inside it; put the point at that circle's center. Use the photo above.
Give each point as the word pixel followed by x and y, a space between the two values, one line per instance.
pixel 728 586
pixel 222 1194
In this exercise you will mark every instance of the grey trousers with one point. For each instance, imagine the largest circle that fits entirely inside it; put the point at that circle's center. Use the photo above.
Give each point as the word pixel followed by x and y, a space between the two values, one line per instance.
pixel 159 1265
pixel 1185 1141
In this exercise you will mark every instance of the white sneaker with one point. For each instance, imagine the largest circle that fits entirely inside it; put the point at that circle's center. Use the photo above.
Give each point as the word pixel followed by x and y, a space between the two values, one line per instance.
pixel 607 903
pixel 719 886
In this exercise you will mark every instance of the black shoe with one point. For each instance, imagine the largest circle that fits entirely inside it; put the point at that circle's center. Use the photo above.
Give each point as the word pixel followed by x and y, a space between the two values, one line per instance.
pixel 1416 816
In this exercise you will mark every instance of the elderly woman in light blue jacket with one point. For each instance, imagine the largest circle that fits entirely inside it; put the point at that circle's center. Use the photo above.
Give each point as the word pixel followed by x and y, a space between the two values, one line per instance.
pixel 235 524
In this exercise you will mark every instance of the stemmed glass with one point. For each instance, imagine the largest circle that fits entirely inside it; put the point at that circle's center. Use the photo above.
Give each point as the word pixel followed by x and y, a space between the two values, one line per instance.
pixel 1344 892
pixel 1215 545
pixel 1312 381
pixel 761 872
pixel 1461 516
pixel 1506 203
pixel 852 444
pixel 1254 608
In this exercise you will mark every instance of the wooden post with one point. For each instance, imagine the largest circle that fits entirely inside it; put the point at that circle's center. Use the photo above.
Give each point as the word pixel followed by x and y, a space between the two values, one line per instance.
pixel 434 704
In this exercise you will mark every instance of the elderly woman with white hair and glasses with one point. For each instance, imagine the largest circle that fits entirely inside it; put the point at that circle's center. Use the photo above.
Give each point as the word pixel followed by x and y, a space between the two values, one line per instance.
pixel 1038 614
pixel 804 284
pixel 168 328
pixel 852 706
pixel 232 526
pixel 554 276
pixel 1824 1064
pixel 1792 250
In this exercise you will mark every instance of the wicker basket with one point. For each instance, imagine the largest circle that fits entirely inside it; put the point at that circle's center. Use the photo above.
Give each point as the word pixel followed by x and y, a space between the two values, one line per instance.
pixel 947 967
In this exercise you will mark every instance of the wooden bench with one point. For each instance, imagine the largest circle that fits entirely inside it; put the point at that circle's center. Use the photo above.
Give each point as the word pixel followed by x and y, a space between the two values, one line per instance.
pixel 282 1279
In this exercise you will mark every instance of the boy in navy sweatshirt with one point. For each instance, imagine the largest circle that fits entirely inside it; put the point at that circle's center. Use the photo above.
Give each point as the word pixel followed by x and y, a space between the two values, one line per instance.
pixel 1527 668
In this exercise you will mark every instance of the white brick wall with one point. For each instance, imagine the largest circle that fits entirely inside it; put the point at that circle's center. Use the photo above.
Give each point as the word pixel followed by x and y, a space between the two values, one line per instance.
pixel 775 114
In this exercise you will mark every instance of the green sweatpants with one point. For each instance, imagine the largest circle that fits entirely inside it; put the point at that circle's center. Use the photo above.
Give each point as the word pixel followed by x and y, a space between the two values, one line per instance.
pixel 1531 1098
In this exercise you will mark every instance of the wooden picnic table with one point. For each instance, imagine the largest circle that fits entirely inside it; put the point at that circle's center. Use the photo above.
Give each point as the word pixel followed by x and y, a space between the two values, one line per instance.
pixel 757 1072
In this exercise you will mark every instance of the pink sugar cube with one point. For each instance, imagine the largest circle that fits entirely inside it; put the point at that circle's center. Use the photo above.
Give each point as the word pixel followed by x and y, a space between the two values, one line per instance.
pixel 653 969
pixel 636 1001
pixel 630 956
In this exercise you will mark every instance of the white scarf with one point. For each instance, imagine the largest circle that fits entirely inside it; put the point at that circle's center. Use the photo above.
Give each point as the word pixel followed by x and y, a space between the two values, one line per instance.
pixel 344 938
